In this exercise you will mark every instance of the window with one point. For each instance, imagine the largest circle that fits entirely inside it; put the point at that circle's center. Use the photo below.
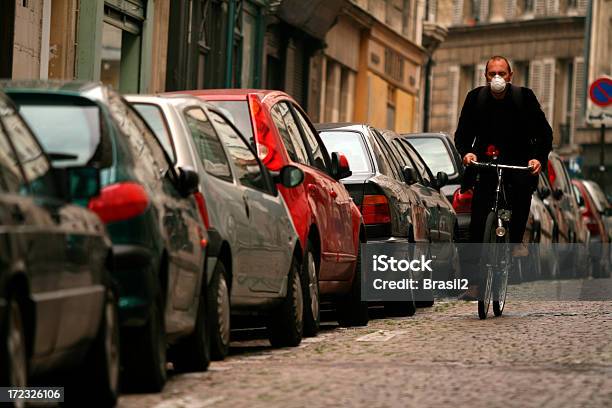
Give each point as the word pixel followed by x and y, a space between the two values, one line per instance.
pixel 30 155
pixel 312 142
pixel 207 144
pixel 238 113
pixel 351 145
pixel 10 175
pixel 436 155
pixel 418 162
pixel 154 117
pixel 290 133
pixel 248 168
pixel 388 156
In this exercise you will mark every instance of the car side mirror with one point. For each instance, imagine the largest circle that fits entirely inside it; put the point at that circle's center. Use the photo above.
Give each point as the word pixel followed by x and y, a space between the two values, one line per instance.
pixel 340 166
pixel 289 176
pixel 557 194
pixel 544 192
pixel 409 175
pixel 77 183
pixel 188 180
pixel 441 179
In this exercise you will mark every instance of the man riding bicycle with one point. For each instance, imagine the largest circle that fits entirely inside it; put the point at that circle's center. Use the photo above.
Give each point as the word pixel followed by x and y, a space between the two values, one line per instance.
pixel 504 122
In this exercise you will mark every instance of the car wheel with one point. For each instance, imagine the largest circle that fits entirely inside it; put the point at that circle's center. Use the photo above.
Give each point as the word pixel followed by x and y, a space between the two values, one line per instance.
pixel 219 313
pixel 310 277
pixel 99 375
pixel 193 353
pixel 145 351
pixel 286 323
pixel 351 310
pixel 13 358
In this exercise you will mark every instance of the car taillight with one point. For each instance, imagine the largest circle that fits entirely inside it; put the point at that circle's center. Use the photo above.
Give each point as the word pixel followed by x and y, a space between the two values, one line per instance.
pixel 462 202
pixel 375 210
pixel 121 201
pixel 590 222
pixel 266 149
pixel 202 208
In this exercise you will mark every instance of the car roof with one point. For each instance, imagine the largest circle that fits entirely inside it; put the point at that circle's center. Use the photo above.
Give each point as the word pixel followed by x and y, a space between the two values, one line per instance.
pixel 341 125
pixel 54 86
pixel 225 94
pixel 439 135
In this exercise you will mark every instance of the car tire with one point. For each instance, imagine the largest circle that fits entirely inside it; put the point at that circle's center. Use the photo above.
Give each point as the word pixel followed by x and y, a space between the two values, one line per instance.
pixel 310 285
pixel 219 313
pixel 193 353
pixel 350 309
pixel 99 375
pixel 286 323
pixel 145 368
pixel 13 349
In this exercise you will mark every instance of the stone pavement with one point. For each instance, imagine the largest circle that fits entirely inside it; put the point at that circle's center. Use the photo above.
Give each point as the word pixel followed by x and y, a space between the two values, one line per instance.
pixel 540 353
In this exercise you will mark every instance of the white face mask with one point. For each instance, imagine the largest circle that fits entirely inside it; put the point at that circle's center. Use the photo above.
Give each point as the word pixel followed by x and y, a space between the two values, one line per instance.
pixel 498 84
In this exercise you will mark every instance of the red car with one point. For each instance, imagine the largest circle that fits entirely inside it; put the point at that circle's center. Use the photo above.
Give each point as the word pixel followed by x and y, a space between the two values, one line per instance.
pixel 328 223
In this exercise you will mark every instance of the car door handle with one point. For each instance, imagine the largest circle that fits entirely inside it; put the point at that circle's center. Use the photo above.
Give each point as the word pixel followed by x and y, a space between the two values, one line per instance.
pixel 246 205
pixel 333 193
pixel 312 188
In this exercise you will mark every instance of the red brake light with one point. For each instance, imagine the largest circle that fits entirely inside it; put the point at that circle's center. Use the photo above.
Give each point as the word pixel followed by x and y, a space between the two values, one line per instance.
pixel 552 175
pixel 199 197
pixel 266 146
pixel 375 210
pixel 462 202
pixel 121 201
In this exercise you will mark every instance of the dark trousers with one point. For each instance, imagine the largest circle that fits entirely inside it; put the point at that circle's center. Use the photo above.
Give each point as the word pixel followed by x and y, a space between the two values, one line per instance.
pixel 518 192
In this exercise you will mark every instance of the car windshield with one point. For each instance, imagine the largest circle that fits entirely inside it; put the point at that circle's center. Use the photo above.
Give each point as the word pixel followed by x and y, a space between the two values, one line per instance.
pixel 238 113
pixel 600 199
pixel 351 145
pixel 153 115
pixel 70 133
pixel 434 152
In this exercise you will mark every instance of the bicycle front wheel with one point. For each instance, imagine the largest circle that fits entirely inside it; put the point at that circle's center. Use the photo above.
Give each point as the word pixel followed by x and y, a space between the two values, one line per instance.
pixel 487 265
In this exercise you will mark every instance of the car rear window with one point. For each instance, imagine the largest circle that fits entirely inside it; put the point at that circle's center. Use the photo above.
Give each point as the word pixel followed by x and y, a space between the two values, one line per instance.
pixel 68 128
pixel 154 117
pixel 600 199
pixel 434 152
pixel 351 145
pixel 238 113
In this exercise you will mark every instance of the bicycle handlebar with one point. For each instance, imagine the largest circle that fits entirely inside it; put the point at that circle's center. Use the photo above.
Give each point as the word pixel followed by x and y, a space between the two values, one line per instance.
pixel 502 166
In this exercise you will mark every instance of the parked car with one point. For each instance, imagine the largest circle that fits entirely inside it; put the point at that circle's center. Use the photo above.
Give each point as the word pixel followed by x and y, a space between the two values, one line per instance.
pixel 574 257
pixel 601 203
pixel 148 205
pixel 440 154
pixel 254 262
pixel 328 223
pixel 58 310
pixel 600 242
pixel 398 197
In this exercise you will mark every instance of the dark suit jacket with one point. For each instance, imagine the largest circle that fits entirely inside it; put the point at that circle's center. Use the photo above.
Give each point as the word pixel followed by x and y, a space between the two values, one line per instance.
pixel 521 133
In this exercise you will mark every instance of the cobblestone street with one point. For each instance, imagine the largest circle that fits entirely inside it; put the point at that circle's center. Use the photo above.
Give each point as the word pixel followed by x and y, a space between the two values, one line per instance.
pixel 540 353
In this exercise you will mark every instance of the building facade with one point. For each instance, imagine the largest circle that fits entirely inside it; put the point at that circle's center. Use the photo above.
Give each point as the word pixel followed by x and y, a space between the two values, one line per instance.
pixel 545 43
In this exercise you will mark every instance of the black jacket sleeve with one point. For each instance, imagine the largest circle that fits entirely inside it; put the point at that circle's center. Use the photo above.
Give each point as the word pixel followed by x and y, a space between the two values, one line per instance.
pixel 466 128
pixel 541 132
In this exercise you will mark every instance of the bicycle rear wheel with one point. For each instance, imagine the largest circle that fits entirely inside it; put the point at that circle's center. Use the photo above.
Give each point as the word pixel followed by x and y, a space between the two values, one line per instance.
pixel 487 263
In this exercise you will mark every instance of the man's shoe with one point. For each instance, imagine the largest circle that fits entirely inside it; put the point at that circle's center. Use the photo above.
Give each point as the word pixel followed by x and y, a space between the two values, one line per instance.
pixel 470 294
pixel 520 251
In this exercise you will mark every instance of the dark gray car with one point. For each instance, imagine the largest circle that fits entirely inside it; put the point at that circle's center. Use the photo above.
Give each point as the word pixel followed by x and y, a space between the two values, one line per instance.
pixel 253 251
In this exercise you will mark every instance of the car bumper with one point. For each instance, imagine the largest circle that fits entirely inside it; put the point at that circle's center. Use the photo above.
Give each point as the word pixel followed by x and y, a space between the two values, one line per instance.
pixel 135 276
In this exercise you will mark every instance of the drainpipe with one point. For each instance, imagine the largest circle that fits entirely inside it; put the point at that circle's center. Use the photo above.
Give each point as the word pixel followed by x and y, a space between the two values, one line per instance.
pixel 587 53
pixel 230 43
pixel 427 96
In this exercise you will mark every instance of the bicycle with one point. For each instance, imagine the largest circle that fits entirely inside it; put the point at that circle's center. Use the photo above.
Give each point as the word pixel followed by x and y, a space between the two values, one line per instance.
pixel 495 258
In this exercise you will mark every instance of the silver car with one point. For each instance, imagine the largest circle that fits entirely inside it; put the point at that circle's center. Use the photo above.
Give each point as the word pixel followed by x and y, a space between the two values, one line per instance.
pixel 254 254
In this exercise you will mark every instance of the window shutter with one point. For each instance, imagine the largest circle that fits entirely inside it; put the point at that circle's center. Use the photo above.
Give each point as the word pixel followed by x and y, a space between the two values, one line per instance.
pixel 453 105
pixel 457 12
pixel 510 9
pixel 535 79
pixel 479 78
pixel 483 15
pixel 545 81
pixel 582 5
pixel 552 7
pixel 579 92
pixel 540 7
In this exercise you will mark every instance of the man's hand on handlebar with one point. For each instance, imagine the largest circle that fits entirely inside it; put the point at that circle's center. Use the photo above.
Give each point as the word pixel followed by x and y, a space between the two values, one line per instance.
pixel 469 158
pixel 536 166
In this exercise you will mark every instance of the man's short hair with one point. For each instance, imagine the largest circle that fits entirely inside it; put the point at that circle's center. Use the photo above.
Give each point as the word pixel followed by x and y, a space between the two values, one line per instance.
pixel 497 58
